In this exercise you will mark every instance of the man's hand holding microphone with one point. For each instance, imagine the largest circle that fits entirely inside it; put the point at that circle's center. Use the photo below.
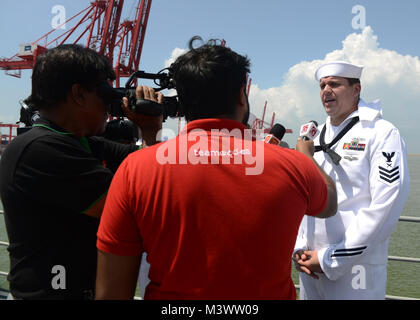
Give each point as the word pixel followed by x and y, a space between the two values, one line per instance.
pixel 305 143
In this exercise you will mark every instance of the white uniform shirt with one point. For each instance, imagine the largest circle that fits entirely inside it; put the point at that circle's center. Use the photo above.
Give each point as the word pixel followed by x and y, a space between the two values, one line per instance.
pixel 372 182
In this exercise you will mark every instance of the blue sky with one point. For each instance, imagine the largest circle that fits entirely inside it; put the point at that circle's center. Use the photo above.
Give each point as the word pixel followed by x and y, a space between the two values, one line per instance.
pixel 285 41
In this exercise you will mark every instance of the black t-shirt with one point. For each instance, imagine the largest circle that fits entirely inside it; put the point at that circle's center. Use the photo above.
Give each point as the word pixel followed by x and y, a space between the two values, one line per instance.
pixel 48 178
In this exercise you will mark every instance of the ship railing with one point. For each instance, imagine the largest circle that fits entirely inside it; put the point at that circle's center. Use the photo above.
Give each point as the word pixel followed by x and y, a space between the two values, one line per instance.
pixel 390 258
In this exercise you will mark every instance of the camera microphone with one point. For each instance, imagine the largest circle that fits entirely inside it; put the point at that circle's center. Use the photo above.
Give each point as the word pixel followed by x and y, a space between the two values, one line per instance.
pixel 276 134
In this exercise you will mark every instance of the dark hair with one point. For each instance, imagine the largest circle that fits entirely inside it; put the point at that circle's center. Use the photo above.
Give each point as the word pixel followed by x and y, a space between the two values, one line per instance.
pixel 353 81
pixel 56 70
pixel 208 80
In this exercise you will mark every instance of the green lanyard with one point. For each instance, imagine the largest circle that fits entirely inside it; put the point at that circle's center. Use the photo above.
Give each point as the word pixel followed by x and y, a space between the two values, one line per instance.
pixel 84 141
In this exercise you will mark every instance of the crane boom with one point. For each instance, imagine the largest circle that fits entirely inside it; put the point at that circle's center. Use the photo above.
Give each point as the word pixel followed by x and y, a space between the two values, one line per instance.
pixel 100 24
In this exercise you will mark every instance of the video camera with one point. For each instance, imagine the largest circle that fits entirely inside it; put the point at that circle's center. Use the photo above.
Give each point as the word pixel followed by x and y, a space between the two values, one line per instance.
pixel 169 108
pixel 113 97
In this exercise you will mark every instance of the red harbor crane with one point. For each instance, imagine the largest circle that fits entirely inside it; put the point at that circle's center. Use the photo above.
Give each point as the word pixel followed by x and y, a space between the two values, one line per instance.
pixel 97 27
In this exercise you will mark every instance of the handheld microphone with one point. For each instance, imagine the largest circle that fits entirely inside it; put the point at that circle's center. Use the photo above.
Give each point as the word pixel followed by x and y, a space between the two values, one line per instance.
pixel 276 134
pixel 309 130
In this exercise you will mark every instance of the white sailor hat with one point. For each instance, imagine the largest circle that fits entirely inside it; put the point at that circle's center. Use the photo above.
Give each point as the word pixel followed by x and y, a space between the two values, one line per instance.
pixel 338 69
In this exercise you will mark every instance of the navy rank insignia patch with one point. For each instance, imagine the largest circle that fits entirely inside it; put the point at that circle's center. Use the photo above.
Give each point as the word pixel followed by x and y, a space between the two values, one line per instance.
pixel 389 171
pixel 354 145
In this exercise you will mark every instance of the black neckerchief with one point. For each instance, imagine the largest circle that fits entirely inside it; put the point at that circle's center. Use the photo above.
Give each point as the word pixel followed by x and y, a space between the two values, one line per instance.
pixel 326 147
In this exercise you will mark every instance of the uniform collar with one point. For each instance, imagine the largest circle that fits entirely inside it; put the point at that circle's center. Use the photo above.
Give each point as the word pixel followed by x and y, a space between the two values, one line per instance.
pixel 366 112
pixel 369 111
pixel 209 124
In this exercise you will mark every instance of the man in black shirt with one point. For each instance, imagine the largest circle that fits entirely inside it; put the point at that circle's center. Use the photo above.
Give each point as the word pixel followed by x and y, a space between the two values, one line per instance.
pixel 54 177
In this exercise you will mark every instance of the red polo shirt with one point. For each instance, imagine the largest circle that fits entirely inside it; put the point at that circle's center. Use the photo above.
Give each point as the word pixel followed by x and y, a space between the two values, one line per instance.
pixel 210 229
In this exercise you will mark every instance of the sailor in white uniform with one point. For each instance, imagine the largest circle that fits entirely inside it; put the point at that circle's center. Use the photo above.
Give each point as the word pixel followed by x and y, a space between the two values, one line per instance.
pixel 345 256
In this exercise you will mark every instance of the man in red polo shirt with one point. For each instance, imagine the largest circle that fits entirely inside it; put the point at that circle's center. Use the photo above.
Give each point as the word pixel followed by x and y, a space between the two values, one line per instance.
pixel 216 211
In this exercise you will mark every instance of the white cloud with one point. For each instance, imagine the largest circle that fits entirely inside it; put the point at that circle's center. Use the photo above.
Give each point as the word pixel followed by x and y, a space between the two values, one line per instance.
pixel 388 75
pixel 175 54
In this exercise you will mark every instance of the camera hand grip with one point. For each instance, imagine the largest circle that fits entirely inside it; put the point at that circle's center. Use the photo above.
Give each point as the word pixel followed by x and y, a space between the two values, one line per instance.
pixel 147 107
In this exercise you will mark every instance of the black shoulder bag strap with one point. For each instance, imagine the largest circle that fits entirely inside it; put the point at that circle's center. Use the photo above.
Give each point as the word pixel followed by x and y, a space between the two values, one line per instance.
pixel 327 147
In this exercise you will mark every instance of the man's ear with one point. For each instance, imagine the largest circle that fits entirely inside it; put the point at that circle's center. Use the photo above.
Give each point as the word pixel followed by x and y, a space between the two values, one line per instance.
pixel 242 98
pixel 77 94
pixel 357 89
